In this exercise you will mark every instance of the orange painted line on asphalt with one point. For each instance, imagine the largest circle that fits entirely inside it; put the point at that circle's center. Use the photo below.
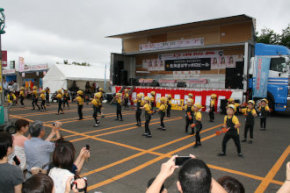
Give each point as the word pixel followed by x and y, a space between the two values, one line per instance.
pixel 73 118
pixel 90 118
pixel 271 174
pixel 142 166
pixel 149 150
pixel 105 129
pixel 51 112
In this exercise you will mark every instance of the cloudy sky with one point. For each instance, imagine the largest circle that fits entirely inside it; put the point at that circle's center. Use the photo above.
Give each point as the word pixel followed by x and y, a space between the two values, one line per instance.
pixel 47 31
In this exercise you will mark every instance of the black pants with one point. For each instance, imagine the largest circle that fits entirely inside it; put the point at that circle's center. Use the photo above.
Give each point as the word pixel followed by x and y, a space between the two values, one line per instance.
pixel 34 103
pixel 43 105
pixel 147 118
pixel 21 100
pixel 168 110
pixel 47 97
pixel 100 109
pixel 236 139
pixel 211 114
pixel 80 111
pixel 65 101
pixel 119 112
pixel 138 116
pixel 247 128
pixel 162 115
pixel 126 103
pixel 188 122
pixel 198 128
pixel 95 114
pixel 59 106
pixel 263 122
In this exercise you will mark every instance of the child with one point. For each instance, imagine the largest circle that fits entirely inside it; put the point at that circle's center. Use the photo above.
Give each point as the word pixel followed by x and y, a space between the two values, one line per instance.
pixel 188 115
pixel 231 122
pixel 162 110
pixel 96 105
pixel 250 114
pixel 152 99
pixel 80 102
pixel 139 103
pixel 21 95
pixel 47 91
pixel 11 99
pixel 197 124
pixel 263 112
pixel 119 107
pixel 66 98
pixel 35 98
pixel 43 99
pixel 190 96
pixel 232 101
pixel 101 91
pixel 212 107
pixel 126 98
pixel 59 101
pixel 169 104
pixel 148 112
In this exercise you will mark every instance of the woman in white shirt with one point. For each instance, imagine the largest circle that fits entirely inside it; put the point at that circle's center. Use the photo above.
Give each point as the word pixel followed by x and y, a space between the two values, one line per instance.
pixel 64 166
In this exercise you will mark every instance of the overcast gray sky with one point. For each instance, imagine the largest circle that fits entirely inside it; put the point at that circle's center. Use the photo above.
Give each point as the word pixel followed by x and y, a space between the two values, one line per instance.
pixel 47 31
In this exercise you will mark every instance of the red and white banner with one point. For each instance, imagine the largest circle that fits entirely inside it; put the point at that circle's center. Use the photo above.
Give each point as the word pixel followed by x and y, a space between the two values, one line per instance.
pixel 21 64
pixel 9 71
pixel 4 58
pixel 179 95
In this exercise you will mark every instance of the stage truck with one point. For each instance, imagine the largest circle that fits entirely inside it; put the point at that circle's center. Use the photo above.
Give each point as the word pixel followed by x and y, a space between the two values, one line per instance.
pixel 265 74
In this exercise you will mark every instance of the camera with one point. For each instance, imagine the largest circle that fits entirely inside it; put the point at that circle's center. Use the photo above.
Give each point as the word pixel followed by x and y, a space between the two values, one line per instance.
pixel 180 160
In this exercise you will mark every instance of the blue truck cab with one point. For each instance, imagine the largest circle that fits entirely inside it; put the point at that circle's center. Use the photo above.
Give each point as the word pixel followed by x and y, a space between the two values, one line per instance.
pixel 279 74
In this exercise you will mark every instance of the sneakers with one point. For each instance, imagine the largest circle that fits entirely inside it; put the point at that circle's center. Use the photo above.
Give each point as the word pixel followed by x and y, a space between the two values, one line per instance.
pixel 244 140
pixel 240 155
pixel 96 125
pixel 222 154
pixel 144 134
pixel 149 136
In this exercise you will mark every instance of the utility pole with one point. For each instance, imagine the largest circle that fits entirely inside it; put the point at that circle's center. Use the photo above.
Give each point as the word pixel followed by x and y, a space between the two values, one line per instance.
pixel 2 100
pixel 105 78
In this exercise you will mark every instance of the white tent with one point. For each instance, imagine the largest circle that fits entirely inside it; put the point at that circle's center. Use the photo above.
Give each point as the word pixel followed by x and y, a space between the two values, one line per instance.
pixel 61 76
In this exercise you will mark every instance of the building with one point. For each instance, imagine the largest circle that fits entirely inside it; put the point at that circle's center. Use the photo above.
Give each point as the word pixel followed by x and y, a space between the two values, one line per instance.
pixel 205 55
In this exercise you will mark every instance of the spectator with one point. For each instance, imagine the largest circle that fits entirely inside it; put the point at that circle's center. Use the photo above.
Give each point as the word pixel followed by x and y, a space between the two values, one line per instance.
pixel 162 190
pixel 41 183
pixel 38 183
pixel 194 177
pixel 36 149
pixel 64 164
pixel 22 127
pixel 5 87
pixel 11 177
pixel 285 188
pixel 231 185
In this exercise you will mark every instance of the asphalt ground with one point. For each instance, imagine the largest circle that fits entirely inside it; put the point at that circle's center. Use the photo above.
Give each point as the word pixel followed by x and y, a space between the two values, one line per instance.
pixel 123 161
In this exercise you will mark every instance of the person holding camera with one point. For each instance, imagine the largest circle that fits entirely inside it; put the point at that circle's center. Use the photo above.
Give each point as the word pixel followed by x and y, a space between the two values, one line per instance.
pixel 38 150
pixel 64 164
pixel 194 176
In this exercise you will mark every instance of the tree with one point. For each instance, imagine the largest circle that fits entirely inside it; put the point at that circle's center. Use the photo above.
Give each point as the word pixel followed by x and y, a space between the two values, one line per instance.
pixel 268 36
pixel 285 37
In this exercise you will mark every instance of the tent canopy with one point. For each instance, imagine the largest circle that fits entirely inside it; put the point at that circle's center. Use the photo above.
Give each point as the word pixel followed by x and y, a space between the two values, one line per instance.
pixel 58 75
pixel 74 72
